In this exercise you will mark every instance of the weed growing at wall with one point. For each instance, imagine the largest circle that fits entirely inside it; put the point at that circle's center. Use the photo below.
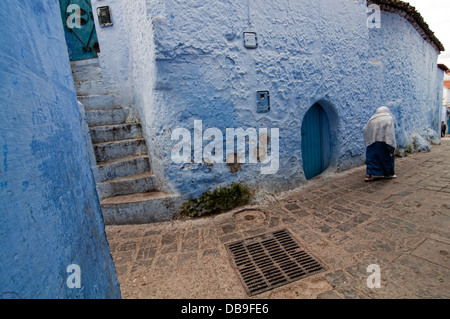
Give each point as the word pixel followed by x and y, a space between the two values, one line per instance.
pixel 217 201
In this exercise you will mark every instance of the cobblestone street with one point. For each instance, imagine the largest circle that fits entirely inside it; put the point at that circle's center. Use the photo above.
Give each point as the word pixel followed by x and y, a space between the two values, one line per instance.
pixel 402 225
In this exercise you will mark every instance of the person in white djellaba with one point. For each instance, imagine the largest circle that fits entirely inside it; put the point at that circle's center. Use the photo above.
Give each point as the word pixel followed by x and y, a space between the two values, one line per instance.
pixel 379 137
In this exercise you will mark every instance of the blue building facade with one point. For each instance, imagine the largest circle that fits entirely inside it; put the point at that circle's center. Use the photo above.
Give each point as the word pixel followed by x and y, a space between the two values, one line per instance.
pixel 207 60
pixel 52 235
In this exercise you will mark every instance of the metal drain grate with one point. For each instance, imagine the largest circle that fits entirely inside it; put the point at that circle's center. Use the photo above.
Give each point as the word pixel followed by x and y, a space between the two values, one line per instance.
pixel 271 260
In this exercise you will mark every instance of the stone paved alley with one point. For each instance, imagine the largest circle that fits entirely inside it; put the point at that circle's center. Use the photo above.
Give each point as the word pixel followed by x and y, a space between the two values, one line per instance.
pixel 402 225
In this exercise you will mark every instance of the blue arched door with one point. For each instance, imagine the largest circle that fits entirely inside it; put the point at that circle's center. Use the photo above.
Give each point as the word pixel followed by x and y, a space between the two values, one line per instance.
pixel 315 141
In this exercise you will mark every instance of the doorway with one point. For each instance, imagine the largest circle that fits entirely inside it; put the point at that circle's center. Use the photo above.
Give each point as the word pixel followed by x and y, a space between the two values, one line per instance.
pixel 315 141
pixel 79 29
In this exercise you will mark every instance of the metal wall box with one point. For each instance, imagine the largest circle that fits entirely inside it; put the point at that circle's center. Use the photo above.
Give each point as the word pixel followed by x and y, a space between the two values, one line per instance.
pixel 104 16
pixel 250 40
pixel 262 101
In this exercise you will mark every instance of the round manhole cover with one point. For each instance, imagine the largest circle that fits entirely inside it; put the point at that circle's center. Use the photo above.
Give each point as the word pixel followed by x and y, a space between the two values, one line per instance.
pixel 249 218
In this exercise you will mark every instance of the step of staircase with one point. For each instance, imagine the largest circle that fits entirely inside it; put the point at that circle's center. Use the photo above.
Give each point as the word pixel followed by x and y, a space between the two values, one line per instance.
pixel 90 74
pixel 106 117
pixel 91 88
pixel 105 133
pixel 131 165
pixel 140 183
pixel 97 102
pixel 140 208
pixel 107 151
pixel 83 65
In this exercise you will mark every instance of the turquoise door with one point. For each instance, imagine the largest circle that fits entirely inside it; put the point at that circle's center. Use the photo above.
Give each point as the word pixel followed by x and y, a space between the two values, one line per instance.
pixel 315 141
pixel 79 27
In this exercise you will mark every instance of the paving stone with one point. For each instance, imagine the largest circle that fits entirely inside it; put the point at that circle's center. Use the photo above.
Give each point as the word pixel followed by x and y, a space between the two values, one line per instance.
pixel 405 193
pixel 142 264
pixel 168 260
pixel 388 290
pixel 365 202
pixel 340 217
pixel 310 204
pixel 128 245
pixel 324 228
pixel 169 239
pixel 434 251
pixel 343 209
pixel 123 257
pixel 151 241
pixel 229 228
pixel 332 222
pixel 325 211
pixel 168 249
pixel 146 253
pixel 433 188
pixel 354 247
pixel 298 227
pixel 301 213
pixel 291 207
pixel 384 245
pixel 352 294
pixel 255 232
pixel 309 236
pixel 231 237
pixel 211 253
pixel 385 204
pixel 349 225
pixel 289 220
pixel 316 213
pixel 329 295
pixel 338 237
pixel 339 280
pixel 360 218
pixel 208 238
pixel 190 241
pixel 131 234
pixel 374 227
pixel 274 222
pixel 152 232
pixel 121 270
pixel 187 258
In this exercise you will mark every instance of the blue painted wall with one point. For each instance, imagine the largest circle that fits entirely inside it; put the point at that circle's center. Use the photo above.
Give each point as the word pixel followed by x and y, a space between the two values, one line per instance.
pixel 308 52
pixel 406 76
pixel 50 215
pixel 187 62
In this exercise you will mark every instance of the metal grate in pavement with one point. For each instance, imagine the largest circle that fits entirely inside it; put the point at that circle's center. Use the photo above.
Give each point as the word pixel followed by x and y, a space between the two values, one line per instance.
pixel 271 260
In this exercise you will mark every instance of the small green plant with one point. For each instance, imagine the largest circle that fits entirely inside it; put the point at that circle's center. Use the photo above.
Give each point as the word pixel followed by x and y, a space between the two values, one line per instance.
pixel 219 200
pixel 410 148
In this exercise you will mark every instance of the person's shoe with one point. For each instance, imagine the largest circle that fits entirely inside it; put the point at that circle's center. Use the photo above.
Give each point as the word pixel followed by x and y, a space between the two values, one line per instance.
pixel 391 177
pixel 368 178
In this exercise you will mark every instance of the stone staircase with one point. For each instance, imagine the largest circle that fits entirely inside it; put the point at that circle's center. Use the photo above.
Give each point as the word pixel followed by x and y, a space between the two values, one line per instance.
pixel 125 184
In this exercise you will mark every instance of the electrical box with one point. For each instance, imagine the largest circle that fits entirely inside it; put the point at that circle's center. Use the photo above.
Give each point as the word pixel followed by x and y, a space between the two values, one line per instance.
pixel 104 16
pixel 262 101
pixel 250 40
